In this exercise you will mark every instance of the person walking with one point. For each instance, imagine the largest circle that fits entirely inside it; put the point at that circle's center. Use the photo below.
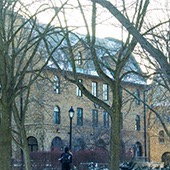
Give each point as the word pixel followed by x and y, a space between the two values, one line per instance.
pixel 66 159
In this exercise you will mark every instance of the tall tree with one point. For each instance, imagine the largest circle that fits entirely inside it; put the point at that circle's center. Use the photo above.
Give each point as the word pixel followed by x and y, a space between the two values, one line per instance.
pixel 155 52
pixel 154 41
pixel 22 49
pixel 108 61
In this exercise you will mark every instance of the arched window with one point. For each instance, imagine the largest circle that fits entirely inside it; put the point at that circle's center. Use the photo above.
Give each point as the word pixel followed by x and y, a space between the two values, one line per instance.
pixel 166 158
pixel 56 85
pixel 56 115
pixel 137 123
pixel 32 144
pixel 138 149
pixel 80 144
pixel 56 144
pixel 161 136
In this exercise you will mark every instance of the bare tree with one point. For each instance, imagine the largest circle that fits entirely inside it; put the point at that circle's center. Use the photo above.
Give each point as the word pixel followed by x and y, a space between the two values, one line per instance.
pixel 109 65
pixel 155 43
pixel 155 52
pixel 22 59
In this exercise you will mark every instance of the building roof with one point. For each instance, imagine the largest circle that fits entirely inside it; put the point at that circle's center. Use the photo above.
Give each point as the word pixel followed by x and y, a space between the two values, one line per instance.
pixel 105 47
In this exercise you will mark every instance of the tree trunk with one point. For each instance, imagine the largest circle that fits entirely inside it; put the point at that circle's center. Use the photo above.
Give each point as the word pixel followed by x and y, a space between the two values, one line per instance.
pixel 115 144
pixel 5 138
pixel 26 150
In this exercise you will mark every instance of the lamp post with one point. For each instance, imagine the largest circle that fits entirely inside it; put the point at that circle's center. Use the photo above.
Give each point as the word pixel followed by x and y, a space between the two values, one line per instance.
pixel 21 116
pixel 145 126
pixel 71 115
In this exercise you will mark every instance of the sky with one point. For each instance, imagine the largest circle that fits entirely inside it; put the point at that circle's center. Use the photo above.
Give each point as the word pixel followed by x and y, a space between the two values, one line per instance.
pixel 108 25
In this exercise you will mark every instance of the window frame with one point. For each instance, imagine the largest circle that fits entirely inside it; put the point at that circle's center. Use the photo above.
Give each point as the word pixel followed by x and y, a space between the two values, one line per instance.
pixel 79 58
pixel 161 137
pixel 105 92
pixel 137 94
pixel 32 144
pixel 94 88
pixel 78 91
pixel 95 117
pixel 105 119
pixel 137 123
pixel 56 115
pixel 56 85
pixel 80 116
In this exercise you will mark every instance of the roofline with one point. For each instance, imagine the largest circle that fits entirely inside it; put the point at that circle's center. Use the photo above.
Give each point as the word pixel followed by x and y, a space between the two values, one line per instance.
pixel 93 76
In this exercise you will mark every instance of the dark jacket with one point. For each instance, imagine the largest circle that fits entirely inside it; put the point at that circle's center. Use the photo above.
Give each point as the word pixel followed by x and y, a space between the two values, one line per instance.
pixel 66 160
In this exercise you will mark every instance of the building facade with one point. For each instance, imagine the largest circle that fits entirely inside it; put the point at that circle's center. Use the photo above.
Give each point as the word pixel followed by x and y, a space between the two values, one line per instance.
pixel 159 125
pixel 48 124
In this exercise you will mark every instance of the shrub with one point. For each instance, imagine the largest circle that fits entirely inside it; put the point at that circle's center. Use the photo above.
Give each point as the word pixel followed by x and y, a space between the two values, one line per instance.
pixel 42 159
pixel 97 155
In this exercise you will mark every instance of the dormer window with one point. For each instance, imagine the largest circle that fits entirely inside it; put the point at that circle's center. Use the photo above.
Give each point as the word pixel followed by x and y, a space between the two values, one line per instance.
pixel 79 58
pixel 94 89
pixel 105 92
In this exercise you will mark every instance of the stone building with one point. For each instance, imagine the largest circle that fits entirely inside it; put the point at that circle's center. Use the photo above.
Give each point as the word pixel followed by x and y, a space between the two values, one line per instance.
pixel 48 123
pixel 158 125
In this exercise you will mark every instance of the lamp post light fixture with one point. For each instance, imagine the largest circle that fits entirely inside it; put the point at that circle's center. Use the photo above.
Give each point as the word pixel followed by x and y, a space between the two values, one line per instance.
pixel 71 115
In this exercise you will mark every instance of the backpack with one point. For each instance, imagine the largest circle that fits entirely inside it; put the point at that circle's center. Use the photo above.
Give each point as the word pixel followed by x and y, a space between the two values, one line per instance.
pixel 66 158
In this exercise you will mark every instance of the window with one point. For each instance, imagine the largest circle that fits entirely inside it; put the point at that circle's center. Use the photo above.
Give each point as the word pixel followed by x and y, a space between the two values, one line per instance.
pixel 101 144
pixel 56 85
pixel 137 123
pixel 121 120
pixel 56 144
pixel 32 144
pixel 56 115
pixel 79 116
pixel 79 58
pixel 105 92
pixel 161 136
pixel 94 89
pixel 78 91
pixel 95 118
pixel 79 144
pixel 138 149
pixel 137 94
pixel 106 119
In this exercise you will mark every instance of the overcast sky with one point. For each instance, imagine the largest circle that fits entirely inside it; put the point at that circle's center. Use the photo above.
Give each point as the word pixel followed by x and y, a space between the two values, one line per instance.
pixel 108 25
